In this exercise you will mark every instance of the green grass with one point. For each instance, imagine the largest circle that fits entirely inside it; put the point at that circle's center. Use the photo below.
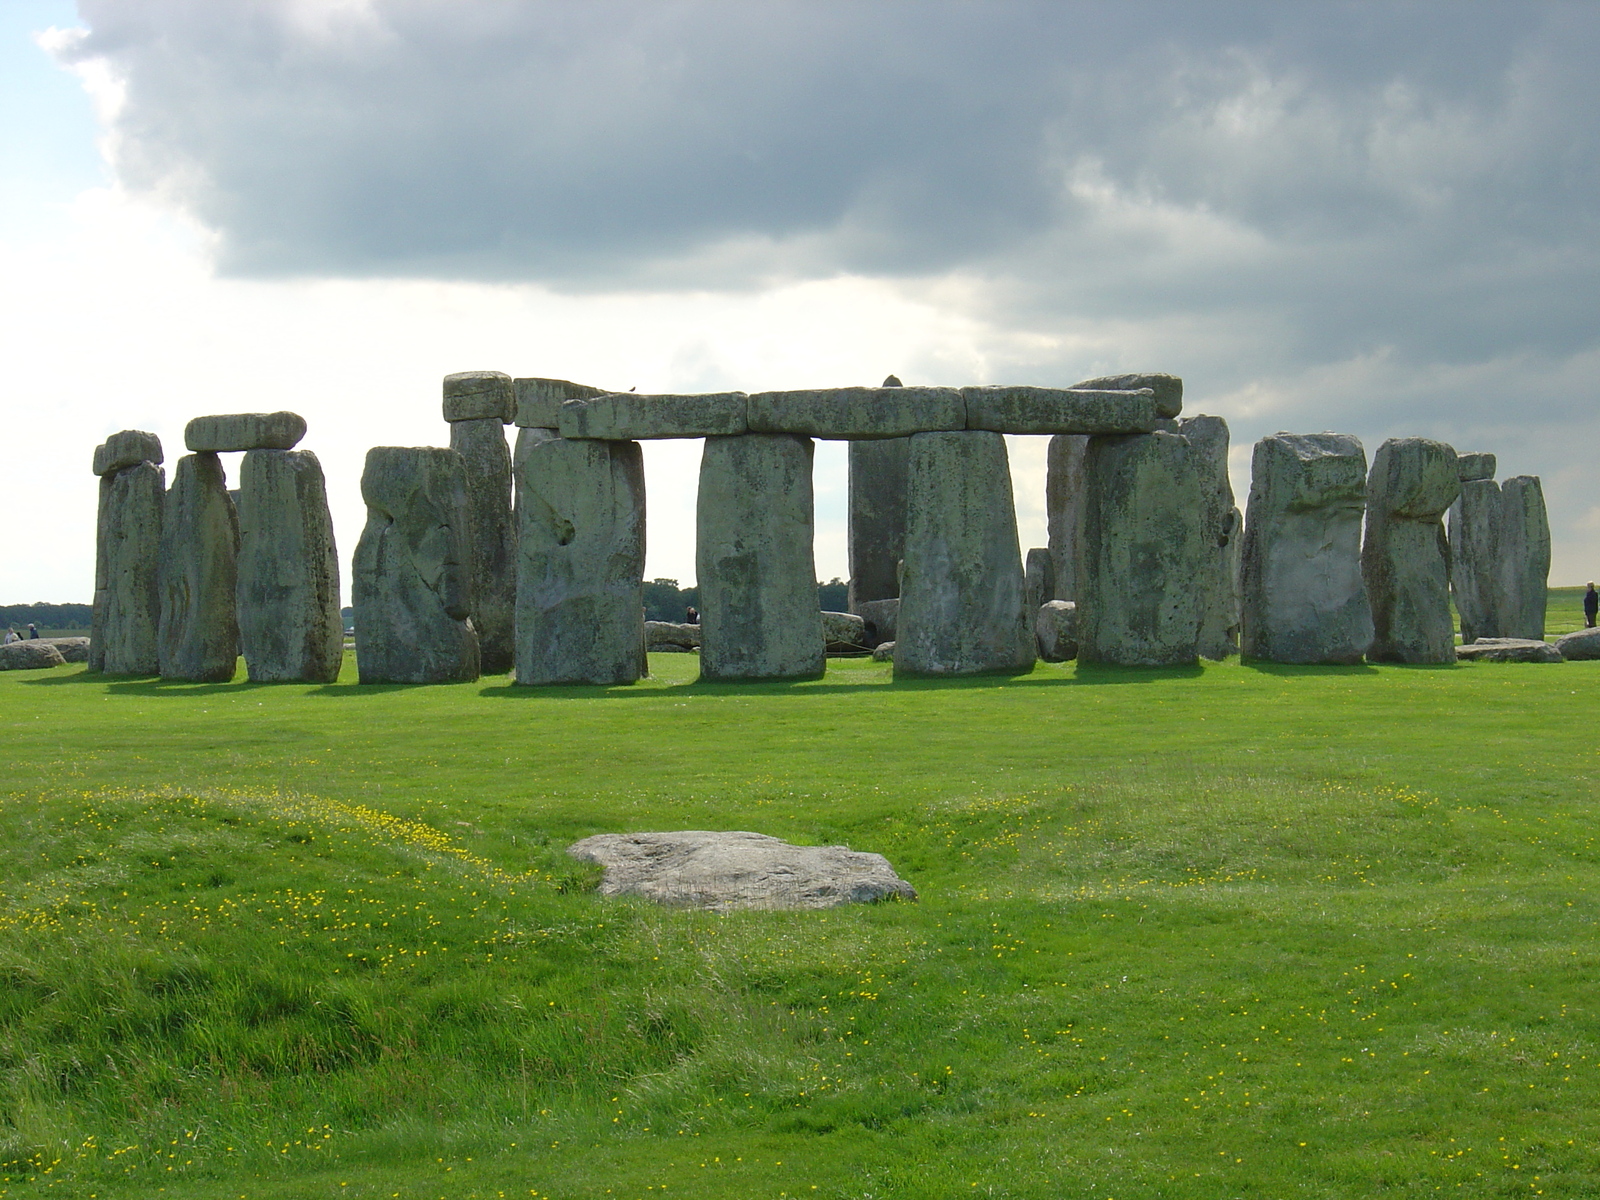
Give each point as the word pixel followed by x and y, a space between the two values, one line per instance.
pixel 1230 932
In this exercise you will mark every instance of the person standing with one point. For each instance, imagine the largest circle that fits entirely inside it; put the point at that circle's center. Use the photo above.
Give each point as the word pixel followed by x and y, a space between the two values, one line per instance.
pixel 1591 605
pixel 33 632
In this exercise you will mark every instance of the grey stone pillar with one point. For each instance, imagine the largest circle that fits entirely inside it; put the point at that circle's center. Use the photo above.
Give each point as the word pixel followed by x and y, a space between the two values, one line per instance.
pixel 1524 557
pixel 127 603
pixel 289 622
pixel 754 561
pixel 413 569
pixel 1405 556
pixel 198 633
pixel 479 405
pixel 1475 561
pixel 1220 528
pixel 877 521
pixel 1063 496
pixel 962 603
pixel 1303 599
pixel 580 562
pixel 1139 554
pixel 1039 578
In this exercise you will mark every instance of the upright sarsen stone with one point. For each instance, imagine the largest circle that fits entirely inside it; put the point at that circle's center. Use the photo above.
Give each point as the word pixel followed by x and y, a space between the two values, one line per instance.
pixel 1063 497
pixel 289 622
pixel 1475 561
pixel 198 632
pixel 1140 554
pixel 128 611
pixel 1220 527
pixel 1303 599
pixel 1039 578
pixel 1405 556
pixel 482 446
pixel 757 575
pixel 580 560
pixel 877 520
pixel 962 601
pixel 1524 557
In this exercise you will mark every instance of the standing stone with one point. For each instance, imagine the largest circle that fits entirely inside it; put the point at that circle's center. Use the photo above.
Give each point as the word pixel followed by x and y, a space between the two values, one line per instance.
pixel 413 578
pixel 129 610
pixel 482 445
pixel 198 633
pixel 1063 497
pixel 580 563
pixel 1405 556
pixel 757 575
pixel 102 577
pixel 1220 527
pixel 1524 557
pixel 1303 598
pixel 289 621
pixel 1475 561
pixel 1140 555
pixel 962 602
pixel 1039 578
pixel 877 520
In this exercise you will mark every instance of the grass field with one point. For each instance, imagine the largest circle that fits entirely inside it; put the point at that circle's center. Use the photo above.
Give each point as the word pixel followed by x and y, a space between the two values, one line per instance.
pixel 1230 932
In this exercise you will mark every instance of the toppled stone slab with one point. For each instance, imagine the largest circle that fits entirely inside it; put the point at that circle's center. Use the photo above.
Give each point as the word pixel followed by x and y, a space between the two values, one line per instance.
pixel 539 401
pixel 128 448
pixel 844 633
pixel 877 520
pixel 1168 389
pixel 1474 466
pixel 245 431
pixel 883 652
pixel 1510 650
pixel 1524 557
pixel 1056 629
pixel 857 412
pixel 482 445
pixel 669 636
pixel 626 416
pixel 1581 645
pixel 1220 528
pixel 737 870
pixel 31 654
pixel 1063 498
pixel 479 396
pixel 1404 553
pixel 198 632
pixel 1474 534
pixel 881 617
pixel 73 649
pixel 1041 410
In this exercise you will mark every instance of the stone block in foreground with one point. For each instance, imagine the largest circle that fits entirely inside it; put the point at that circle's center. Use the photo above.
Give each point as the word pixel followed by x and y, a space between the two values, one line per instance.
pixel 128 448
pixel 857 412
pixel 1056 629
pixel 31 654
pixel 245 431
pixel 1581 645
pixel 198 631
pixel 1510 650
pixel 479 396
pixel 627 416
pixel 1405 553
pixel 738 870
pixel 1042 410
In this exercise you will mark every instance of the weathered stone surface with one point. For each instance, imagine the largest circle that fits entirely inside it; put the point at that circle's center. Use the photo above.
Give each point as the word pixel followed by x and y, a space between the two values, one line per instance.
pixel 128 448
pixel 1140 552
pixel 129 609
pixel 1303 598
pixel 290 629
pixel 881 617
pixel 736 870
pixel 1510 650
pixel 877 519
pixel 72 649
pixel 844 633
pixel 493 536
pixel 1064 508
pixel 1059 410
pixel 1168 389
pixel 1055 627
pixel 625 416
pixel 754 563
pixel 1404 553
pixel 1474 466
pixel 1039 578
pixel 539 401
pixel 1474 534
pixel 1524 557
pixel 1580 645
pixel 31 654
pixel 245 431
pixel 961 599
pixel 479 396
pixel 413 578
pixel 663 635
pixel 198 631
pixel 97 608
pixel 883 652
pixel 580 563
pixel 857 412
pixel 1221 530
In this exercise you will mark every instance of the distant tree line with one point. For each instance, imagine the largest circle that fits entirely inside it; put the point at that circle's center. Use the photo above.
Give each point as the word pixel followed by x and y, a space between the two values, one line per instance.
pixel 57 618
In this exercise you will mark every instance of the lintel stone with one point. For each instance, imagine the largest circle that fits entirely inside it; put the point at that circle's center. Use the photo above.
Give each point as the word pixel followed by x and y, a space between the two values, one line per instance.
pixel 478 396
pixel 539 401
pixel 628 416
pixel 245 431
pixel 1475 466
pixel 1168 389
pixel 858 412
pixel 1042 410
pixel 126 449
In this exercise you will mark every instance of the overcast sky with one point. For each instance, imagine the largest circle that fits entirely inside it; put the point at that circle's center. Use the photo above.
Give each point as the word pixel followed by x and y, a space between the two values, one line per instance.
pixel 1376 219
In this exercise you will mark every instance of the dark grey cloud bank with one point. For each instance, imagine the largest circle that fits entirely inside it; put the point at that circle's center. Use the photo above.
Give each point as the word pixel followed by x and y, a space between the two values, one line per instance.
pixel 1380 215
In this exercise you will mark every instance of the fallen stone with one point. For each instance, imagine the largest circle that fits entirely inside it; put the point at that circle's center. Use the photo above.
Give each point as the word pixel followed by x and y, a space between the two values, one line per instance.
pixel 1510 650
pixel 1141 553
pixel 1055 628
pixel 881 616
pixel 245 431
pixel 1302 595
pixel 413 580
pixel 1168 389
pixel 1042 410
pixel 580 560
pixel 1221 527
pixel 1064 508
pixel 877 519
pixel 754 562
pixel 844 634
pixel 1405 554
pixel 736 870
pixel 128 610
pixel 198 631
pixel 290 627
pixel 493 535
pixel 1524 557
pixel 72 649
pixel 625 416
pixel 479 396
pixel 961 594
pixel 1474 466
pixel 539 401
pixel 31 654
pixel 1474 535
pixel 128 448
pixel 857 412
pixel 1580 645
pixel 883 652
pixel 1039 578
pixel 667 635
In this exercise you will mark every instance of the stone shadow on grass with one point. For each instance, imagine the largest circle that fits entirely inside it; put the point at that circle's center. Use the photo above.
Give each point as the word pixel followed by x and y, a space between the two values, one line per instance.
pixel 1263 667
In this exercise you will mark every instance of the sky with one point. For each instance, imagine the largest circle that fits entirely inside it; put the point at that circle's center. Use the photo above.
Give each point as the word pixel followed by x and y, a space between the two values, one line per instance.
pixel 1379 219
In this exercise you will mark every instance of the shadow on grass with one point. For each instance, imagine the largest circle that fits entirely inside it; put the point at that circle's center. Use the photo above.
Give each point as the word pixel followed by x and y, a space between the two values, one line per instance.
pixel 1291 669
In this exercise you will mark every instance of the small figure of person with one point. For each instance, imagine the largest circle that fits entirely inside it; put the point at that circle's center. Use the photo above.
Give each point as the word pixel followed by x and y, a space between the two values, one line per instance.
pixel 11 636
pixel 1591 605
pixel 33 632
pixel 692 617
